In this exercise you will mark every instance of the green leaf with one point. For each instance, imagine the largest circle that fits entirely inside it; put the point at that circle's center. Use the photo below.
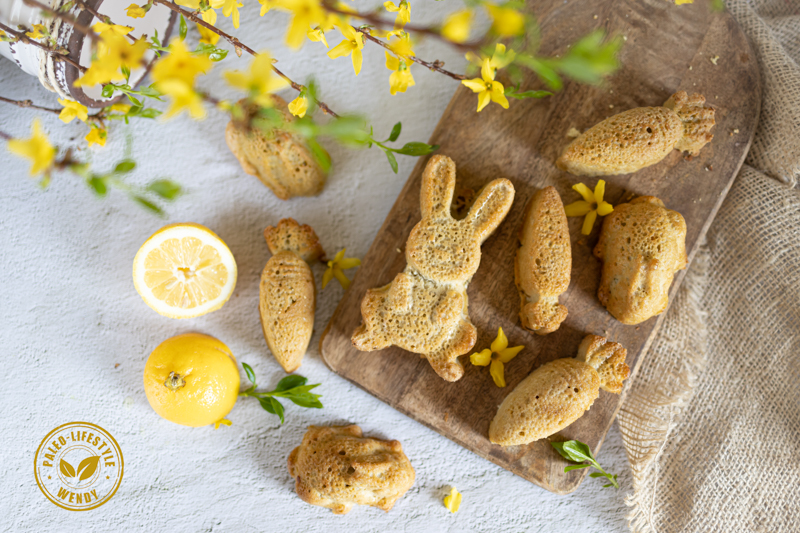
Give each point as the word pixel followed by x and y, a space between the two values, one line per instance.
pixel 573 450
pixel 576 467
pixel 395 133
pixel 135 101
pixel 147 204
pixel 306 400
pixel 149 113
pixel 320 155
pixel 218 54
pixel 108 90
pixel 527 94
pixel 416 149
pixel 392 160
pixel 98 183
pixel 290 382
pixel 126 72
pixel 597 474
pixel 125 166
pixel 250 374
pixel 183 28
pixel 271 405
pixel 543 69
pixel 149 91
pixel 165 188
pixel 590 59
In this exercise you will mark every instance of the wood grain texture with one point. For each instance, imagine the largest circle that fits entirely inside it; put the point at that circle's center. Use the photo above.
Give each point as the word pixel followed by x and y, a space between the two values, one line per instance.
pixel 668 48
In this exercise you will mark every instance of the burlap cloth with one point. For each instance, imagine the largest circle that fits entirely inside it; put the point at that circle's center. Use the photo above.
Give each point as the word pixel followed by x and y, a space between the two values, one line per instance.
pixel 711 424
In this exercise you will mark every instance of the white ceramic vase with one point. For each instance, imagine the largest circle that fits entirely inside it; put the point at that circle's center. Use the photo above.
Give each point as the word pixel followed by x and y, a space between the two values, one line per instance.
pixel 58 76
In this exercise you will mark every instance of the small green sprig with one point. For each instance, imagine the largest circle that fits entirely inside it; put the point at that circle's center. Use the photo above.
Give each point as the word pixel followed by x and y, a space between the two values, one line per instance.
pixel 414 149
pixel 293 388
pixel 101 182
pixel 578 452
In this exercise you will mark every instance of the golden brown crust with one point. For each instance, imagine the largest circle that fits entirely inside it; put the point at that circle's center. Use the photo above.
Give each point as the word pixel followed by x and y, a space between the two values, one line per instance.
pixel 552 397
pixel 543 262
pixel 697 121
pixel 636 138
pixel 558 393
pixel 291 236
pixel 281 160
pixel 608 359
pixel 642 245
pixel 424 309
pixel 623 143
pixel 335 467
pixel 287 302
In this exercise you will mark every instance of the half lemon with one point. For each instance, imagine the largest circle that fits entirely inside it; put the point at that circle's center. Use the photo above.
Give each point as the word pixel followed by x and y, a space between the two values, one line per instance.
pixel 184 270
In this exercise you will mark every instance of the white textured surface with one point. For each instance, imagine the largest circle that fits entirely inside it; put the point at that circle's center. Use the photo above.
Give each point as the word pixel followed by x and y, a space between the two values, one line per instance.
pixel 70 313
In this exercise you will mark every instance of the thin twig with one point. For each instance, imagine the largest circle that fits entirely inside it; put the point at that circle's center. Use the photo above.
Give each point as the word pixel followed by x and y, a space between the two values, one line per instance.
pixel 5 136
pixel 95 117
pixel 66 18
pixel 436 65
pixel 238 45
pixel 28 103
pixel 431 31
pixel 58 56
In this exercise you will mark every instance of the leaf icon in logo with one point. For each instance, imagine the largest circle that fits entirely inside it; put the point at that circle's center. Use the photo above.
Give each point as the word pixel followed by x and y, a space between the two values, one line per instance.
pixel 66 469
pixel 87 467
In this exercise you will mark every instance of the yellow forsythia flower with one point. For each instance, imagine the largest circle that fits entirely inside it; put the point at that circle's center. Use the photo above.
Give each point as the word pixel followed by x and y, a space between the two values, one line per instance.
pixel 336 266
pixel 222 422
pixel 38 32
pixel 591 205
pixel 299 106
pixel 681 2
pixel 306 13
pixel 101 27
pixel 183 97
pixel 486 87
pixel 317 35
pixel 207 36
pixel 401 78
pixel 38 149
pixel 403 11
pixel 180 64
pixel 259 82
pixel 113 52
pixel 135 12
pixel 351 46
pixel 119 108
pixel 506 21
pixel 457 25
pixel 401 45
pixel 231 9
pixel 498 356
pixel 72 110
pixel 96 136
pixel 266 6
pixel 453 500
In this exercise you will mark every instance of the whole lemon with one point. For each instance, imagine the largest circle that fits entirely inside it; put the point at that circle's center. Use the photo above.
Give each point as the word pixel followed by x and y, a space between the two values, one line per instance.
pixel 191 379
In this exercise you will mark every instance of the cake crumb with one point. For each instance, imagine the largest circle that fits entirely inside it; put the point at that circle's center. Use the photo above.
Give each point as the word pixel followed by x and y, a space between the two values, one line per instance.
pixel 595 17
pixel 573 132
pixel 714 59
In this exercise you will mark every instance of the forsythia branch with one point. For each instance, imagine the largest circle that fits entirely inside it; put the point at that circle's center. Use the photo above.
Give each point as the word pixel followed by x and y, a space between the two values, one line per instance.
pixel 238 45
pixel 436 65
pixel 27 40
pixel 422 30
pixel 66 18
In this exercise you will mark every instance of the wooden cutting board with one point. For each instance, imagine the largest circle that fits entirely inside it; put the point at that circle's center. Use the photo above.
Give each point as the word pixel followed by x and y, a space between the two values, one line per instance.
pixel 667 48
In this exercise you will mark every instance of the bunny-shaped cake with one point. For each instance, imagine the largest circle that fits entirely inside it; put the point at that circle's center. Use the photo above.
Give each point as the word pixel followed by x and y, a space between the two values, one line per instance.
pixel 424 309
